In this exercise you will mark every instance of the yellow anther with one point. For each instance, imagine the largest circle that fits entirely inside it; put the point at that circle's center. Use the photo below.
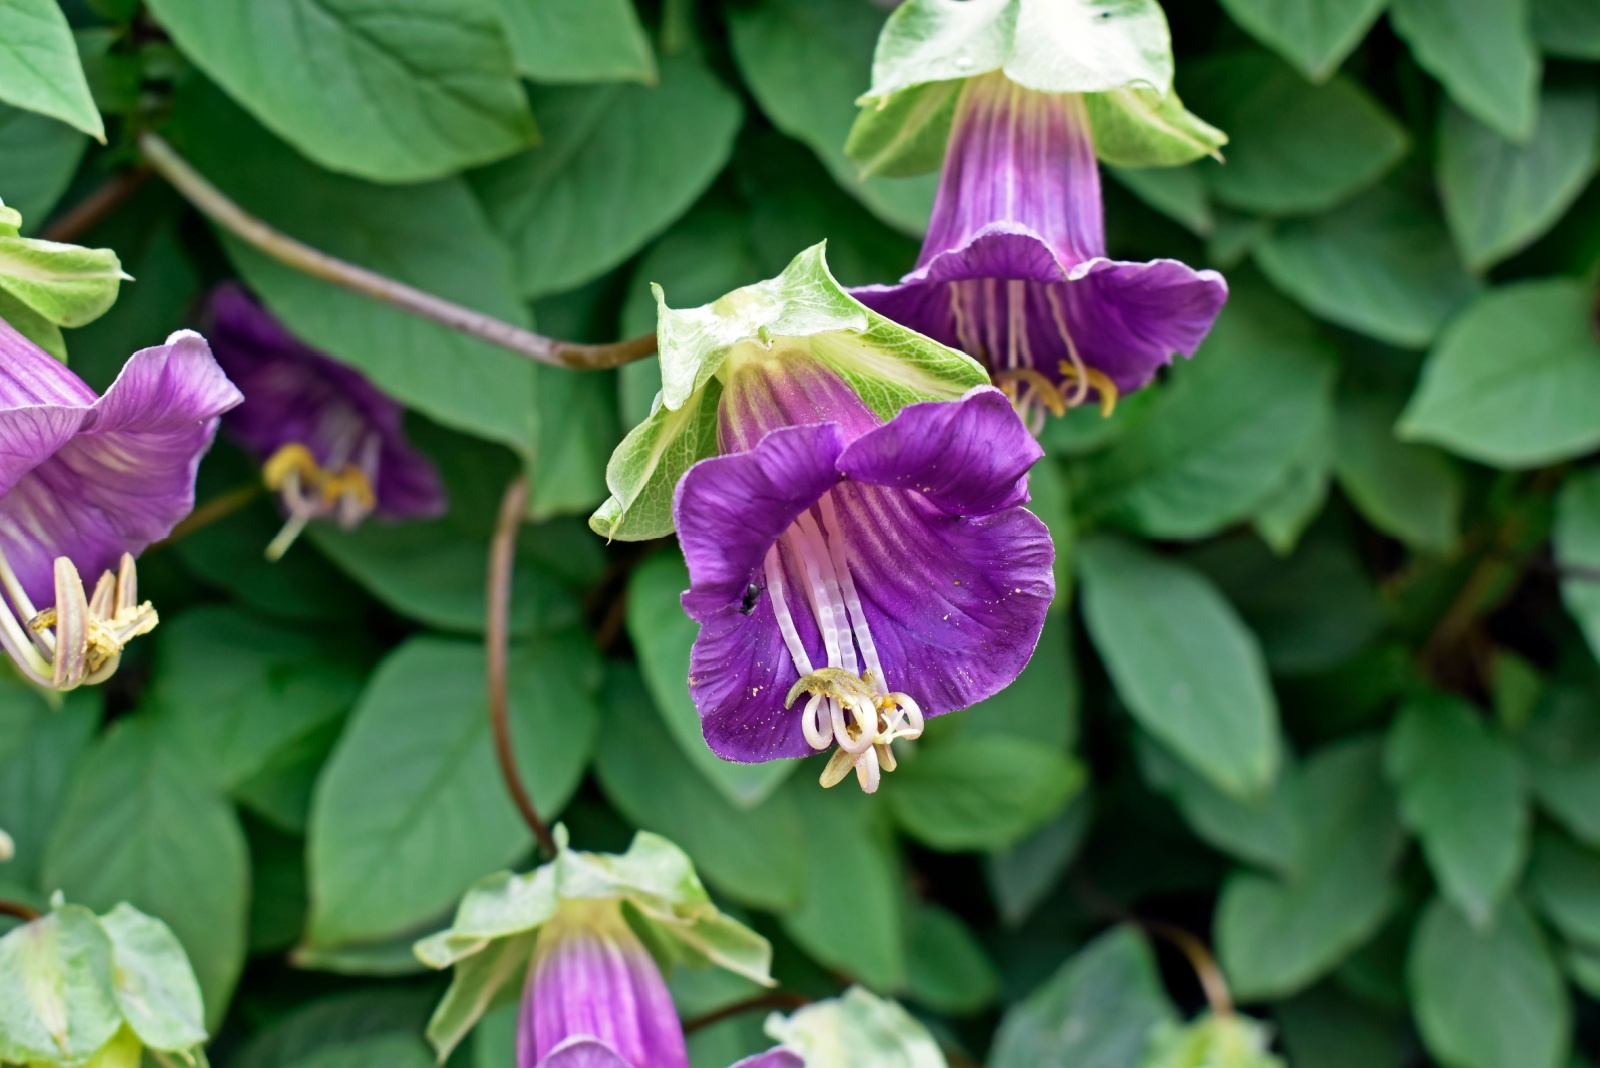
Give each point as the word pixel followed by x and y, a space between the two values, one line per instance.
pixel 1043 388
pixel 1099 380
pixel 292 459
pixel 351 481
pixel 833 682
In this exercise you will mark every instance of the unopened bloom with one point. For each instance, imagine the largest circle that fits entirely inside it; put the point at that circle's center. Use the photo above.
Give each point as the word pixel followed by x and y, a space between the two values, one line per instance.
pixel 86 483
pixel 577 928
pixel 885 570
pixel 1014 270
pixel 594 998
pixel 330 443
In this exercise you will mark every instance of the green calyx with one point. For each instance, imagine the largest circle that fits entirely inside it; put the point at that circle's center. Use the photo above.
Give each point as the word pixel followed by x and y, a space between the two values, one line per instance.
pixel 78 989
pixel 856 1028
pixel 1119 55
pixel 1212 1040
pixel 497 924
pixel 45 285
pixel 804 308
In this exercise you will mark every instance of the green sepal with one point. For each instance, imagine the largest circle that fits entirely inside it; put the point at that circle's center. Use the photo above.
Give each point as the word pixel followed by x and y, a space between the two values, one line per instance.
pixel 856 1028
pixel 1054 46
pixel 888 365
pixel 33 326
pixel 65 284
pixel 905 134
pixel 77 990
pixel 497 922
pixel 1212 1041
pixel 1142 128
pixel 10 221
pixel 1120 58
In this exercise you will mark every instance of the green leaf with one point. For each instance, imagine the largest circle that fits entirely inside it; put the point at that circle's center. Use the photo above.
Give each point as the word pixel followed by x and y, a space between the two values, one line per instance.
pixel 43 749
pixel 946 966
pixel 432 236
pixel 57 1004
pixel 1055 46
pixel 616 165
pixel 240 690
pixel 1564 879
pixel 1489 996
pixel 1483 52
pixel 578 40
pixel 981 791
pixel 1183 663
pixel 1576 541
pixel 805 60
pixel 376 1051
pixel 856 1028
pixel 1501 195
pixel 1381 264
pixel 39 68
pixel 1409 491
pixel 411 809
pixel 65 284
pixel 1277 936
pixel 1264 831
pixel 663 636
pixel 1294 148
pixel 1179 193
pixel 1561 754
pixel 405 92
pixel 38 157
pixel 1143 128
pixel 1022 877
pixel 849 839
pixel 886 364
pixel 1517 413
pixel 755 854
pixel 1461 793
pixel 335 1020
pixel 141 827
pixel 1287 510
pixel 155 986
pixel 1325 1028
pixel 1567 28
pixel 1213 443
pixel 1314 35
pixel 1097 1009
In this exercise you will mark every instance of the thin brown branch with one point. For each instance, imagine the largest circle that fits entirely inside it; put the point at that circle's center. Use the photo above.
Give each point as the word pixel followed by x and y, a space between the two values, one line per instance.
pixel 497 642
pixel 1218 996
pixel 89 211
pixel 19 910
pixel 775 999
pixel 214 510
pixel 217 206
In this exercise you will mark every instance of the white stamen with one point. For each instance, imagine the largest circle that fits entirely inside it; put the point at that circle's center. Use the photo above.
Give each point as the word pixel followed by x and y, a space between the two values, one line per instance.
pixel 780 608
pixel 852 600
pixel 1081 389
pixel 826 600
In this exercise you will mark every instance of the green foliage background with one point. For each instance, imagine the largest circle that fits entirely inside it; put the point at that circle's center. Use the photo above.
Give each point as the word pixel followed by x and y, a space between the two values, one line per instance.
pixel 1321 687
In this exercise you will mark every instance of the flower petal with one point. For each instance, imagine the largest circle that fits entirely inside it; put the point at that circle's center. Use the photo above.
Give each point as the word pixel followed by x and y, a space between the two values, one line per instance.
pixel 125 478
pixel 955 604
pixel 584 1052
pixel 969 457
pixel 1129 319
pixel 295 394
pixel 730 509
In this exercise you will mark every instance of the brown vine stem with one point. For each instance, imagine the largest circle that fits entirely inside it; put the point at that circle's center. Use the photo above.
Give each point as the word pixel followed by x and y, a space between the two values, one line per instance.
pixel 497 643
pixel 19 910
pixel 1218 996
pixel 777 999
pixel 89 211
pixel 216 205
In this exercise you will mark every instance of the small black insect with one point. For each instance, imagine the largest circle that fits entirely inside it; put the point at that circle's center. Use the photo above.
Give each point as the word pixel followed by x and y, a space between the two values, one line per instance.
pixel 751 593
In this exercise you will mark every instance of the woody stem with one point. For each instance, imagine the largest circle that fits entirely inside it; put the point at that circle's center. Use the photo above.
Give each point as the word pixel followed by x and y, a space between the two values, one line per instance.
pixel 497 640
pixel 217 206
